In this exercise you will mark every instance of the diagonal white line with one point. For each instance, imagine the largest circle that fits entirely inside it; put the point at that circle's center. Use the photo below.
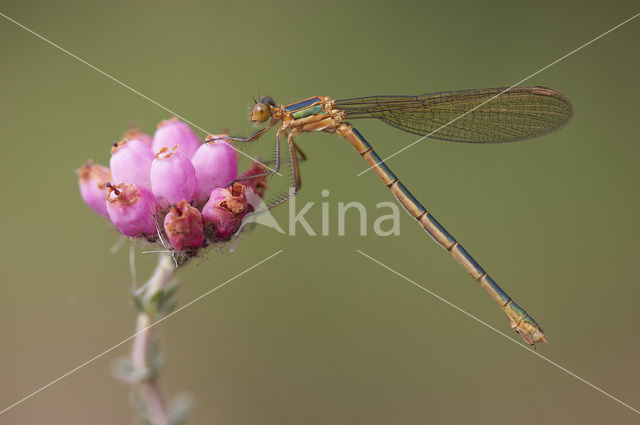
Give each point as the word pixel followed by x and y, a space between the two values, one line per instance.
pixel 503 92
pixel 114 79
pixel 449 303
pixel 136 334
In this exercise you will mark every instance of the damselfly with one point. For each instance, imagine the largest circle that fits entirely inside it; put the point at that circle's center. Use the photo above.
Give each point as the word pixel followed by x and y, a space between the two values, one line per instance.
pixel 473 116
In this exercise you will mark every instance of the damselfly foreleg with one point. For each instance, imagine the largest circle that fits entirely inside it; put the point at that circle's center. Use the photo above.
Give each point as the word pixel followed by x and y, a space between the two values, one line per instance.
pixel 276 168
pixel 253 137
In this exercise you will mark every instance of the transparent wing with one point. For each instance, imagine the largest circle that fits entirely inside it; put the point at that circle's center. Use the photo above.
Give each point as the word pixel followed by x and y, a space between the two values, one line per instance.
pixel 479 116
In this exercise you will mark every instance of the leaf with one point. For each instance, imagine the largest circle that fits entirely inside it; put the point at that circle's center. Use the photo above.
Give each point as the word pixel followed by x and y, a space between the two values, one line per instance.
pixel 180 408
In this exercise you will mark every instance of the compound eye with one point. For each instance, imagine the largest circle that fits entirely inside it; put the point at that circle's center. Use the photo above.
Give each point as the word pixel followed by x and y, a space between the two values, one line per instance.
pixel 260 112
pixel 268 100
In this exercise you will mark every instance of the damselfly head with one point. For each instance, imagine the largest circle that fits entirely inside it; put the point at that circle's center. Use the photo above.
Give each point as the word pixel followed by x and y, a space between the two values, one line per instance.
pixel 261 111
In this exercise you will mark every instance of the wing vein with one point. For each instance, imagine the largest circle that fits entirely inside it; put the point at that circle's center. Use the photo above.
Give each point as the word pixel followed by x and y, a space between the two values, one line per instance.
pixel 520 113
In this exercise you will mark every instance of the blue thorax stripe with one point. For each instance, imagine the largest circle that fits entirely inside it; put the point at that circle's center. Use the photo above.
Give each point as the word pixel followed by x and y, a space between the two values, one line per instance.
pixel 300 105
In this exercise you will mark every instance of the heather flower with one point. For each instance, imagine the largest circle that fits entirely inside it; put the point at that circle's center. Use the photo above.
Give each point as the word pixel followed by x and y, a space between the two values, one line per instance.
pixel 216 164
pixel 179 196
pixel 130 162
pixel 131 209
pixel 136 133
pixel 225 209
pixel 172 133
pixel 184 227
pixel 93 179
pixel 173 177
pixel 152 196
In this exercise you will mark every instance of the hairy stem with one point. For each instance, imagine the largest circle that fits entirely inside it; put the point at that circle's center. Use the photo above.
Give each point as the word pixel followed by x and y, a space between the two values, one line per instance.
pixel 142 355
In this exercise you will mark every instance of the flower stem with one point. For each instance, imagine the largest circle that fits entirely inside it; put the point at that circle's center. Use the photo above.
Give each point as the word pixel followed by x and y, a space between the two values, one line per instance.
pixel 143 356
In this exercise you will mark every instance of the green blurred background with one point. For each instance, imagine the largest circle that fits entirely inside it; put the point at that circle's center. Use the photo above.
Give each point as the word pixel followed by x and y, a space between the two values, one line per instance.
pixel 320 334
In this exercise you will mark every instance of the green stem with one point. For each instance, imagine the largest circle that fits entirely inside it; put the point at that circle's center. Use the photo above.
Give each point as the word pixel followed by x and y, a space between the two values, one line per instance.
pixel 141 356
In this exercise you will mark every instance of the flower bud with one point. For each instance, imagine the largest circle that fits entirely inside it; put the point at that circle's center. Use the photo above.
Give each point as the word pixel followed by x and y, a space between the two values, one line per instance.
pixel 136 133
pixel 93 179
pixel 184 227
pixel 172 133
pixel 132 209
pixel 130 163
pixel 173 177
pixel 216 165
pixel 225 209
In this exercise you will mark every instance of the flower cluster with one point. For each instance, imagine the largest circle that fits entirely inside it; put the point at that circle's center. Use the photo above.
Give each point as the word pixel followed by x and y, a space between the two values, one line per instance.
pixel 171 187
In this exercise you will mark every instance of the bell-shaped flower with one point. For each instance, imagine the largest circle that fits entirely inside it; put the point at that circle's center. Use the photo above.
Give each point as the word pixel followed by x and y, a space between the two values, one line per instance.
pixel 132 209
pixel 173 177
pixel 184 227
pixel 174 132
pixel 130 163
pixel 225 209
pixel 216 165
pixel 93 179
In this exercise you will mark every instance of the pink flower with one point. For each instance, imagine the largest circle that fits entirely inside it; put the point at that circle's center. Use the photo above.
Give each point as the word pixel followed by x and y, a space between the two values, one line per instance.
pixel 216 165
pixel 172 188
pixel 172 133
pixel 93 179
pixel 131 162
pixel 225 209
pixel 136 133
pixel 184 227
pixel 173 177
pixel 132 209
